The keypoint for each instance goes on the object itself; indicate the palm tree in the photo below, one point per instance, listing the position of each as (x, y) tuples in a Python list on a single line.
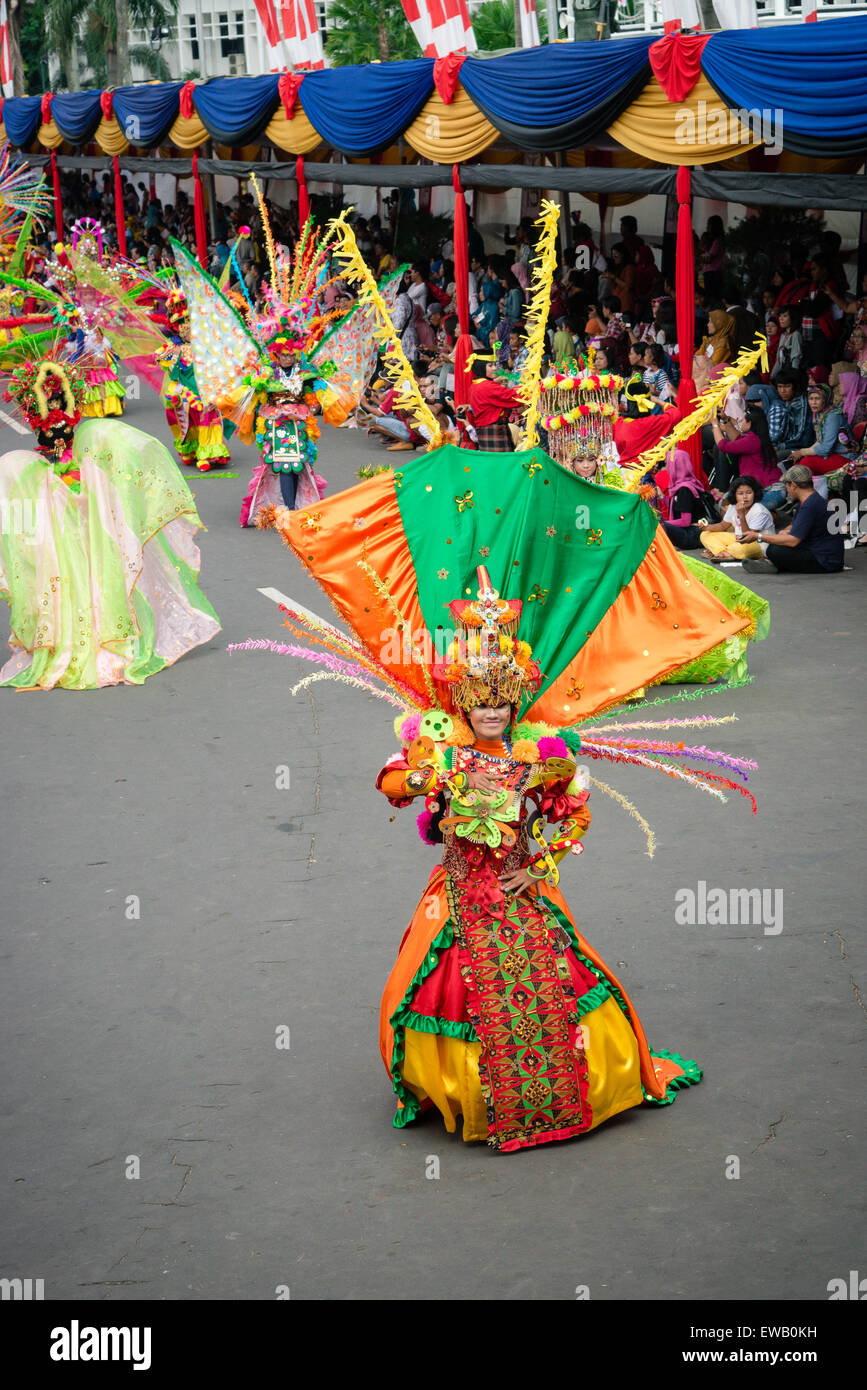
[(61, 23), (368, 31), (494, 25), (103, 26)]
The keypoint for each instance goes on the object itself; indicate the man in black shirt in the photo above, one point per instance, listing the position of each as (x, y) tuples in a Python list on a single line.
[(812, 544)]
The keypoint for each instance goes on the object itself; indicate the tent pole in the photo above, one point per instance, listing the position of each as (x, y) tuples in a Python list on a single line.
[(684, 305)]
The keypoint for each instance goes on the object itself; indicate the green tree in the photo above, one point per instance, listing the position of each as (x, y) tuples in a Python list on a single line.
[(368, 31), (494, 25), (102, 29)]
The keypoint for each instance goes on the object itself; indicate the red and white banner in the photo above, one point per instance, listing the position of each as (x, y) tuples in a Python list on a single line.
[(529, 25), (5, 55), (301, 32), (736, 14), (684, 10), (441, 26), (291, 34)]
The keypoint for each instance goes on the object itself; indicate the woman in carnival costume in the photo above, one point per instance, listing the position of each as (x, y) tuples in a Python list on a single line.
[(197, 428), (285, 431), (104, 392), (260, 369), (497, 1009), (100, 568)]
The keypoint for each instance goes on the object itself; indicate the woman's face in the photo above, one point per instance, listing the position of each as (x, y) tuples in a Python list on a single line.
[(601, 360), (815, 399), (585, 468), (744, 497), (857, 339), (785, 321), (490, 721)]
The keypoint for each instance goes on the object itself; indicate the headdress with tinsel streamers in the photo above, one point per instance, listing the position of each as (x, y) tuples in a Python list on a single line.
[(408, 397), (537, 318)]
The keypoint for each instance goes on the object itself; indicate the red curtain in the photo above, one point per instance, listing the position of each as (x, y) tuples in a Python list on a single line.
[(199, 215), (684, 300), (119, 210), (58, 200), (464, 346), (303, 195)]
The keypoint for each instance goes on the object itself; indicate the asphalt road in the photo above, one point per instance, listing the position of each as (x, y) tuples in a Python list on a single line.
[(152, 1037)]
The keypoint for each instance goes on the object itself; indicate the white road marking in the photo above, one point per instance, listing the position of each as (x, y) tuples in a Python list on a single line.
[(14, 424), (276, 597)]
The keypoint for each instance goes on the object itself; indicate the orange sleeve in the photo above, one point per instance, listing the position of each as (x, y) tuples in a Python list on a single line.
[(393, 784)]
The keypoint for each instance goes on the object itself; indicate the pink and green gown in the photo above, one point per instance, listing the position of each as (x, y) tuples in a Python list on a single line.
[(102, 584)]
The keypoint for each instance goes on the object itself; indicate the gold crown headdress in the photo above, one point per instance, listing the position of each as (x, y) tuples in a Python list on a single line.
[(487, 664)]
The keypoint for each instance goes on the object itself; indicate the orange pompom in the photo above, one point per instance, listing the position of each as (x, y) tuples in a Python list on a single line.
[(525, 751), (461, 735)]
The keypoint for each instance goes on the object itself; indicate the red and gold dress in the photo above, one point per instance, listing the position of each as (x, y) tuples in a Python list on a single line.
[(497, 1009)]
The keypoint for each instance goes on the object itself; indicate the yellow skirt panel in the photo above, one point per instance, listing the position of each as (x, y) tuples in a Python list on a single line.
[(446, 1071), (612, 1061)]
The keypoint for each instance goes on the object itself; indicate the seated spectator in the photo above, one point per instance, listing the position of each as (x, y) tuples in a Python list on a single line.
[(744, 512), (786, 410), (811, 544), (790, 347), (833, 447), (563, 350), (853, 387), (718, 345), (512, 303), (656, 378), (744, 448), (621, 276), (683, 500), (746, 323), (388, 420)]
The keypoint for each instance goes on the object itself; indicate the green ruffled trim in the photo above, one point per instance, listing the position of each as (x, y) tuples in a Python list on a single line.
[(692, 1074), (445, 1027), (592, 999), (402, 1018)]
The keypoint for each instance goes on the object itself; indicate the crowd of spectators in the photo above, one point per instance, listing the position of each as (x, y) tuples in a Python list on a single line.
[(803, 418)]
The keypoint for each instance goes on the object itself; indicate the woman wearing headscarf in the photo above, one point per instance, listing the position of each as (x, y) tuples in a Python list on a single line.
[(718, 345), (682, 498), (853, 388), (716, 348)]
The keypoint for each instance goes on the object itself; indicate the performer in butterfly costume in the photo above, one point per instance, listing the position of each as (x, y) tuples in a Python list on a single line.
[(197, 428)]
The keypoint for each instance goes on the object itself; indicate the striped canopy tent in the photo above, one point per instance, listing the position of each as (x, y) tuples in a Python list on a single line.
[(627, 116), (670, 101)]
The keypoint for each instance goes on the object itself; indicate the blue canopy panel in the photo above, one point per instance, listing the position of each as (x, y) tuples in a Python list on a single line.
[(567, 92), (362, 110), (76, 115), (815, 74), (146, 113), (235, 110), (22, 117)]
